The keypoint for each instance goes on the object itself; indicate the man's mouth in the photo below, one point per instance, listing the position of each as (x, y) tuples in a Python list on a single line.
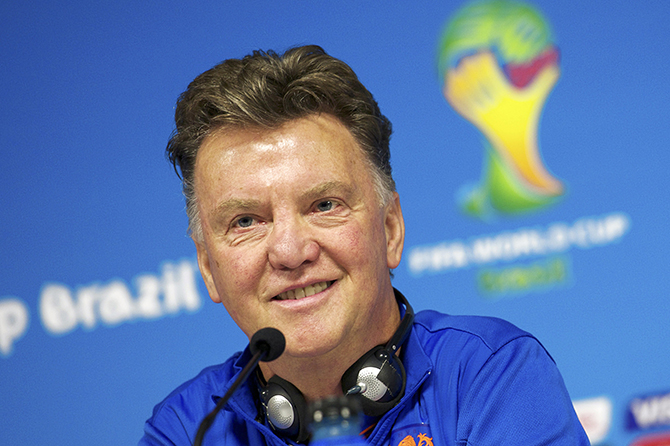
[(309, 290)]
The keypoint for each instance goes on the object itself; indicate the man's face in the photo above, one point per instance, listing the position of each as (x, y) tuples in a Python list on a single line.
[(295, 237)]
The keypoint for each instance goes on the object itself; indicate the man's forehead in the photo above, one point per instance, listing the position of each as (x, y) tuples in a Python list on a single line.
[(326, 122), (323, 132), (307, 158), (230, 139)]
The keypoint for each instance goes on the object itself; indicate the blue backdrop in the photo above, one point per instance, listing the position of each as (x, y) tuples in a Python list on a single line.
[(102, 309)]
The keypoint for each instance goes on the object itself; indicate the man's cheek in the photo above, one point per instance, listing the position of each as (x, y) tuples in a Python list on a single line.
[(234, 273), (354, 241)]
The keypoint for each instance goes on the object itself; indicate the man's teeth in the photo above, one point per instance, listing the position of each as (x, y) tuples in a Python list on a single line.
[(299, 293)]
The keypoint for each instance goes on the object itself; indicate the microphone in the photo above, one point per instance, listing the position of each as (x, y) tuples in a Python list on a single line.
[(269, 341), (267, 344)]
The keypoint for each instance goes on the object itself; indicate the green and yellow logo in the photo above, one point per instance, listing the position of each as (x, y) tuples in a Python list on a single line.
[(498, 64)]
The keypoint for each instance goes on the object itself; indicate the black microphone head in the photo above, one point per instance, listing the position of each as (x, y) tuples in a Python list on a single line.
[(270, 341)]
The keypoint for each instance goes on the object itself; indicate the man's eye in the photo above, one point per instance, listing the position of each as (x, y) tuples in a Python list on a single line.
[(245, 222), (324, 206)]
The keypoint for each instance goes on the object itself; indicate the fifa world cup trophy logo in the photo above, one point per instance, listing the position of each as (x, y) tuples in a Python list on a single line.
[(498, 64)]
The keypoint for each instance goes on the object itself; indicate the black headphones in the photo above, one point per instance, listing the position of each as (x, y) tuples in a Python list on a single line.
[(378, 376)]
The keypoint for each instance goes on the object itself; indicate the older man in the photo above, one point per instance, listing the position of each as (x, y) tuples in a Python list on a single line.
[(286, 170)]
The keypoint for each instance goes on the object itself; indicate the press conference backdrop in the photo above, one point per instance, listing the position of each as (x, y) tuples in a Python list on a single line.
[(530, 150)]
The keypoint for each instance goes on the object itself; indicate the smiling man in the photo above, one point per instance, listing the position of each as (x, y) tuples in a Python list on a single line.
[(295, 237), (286, 170)]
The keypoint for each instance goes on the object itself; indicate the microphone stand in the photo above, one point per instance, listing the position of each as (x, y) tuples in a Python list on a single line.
[(244, 374)]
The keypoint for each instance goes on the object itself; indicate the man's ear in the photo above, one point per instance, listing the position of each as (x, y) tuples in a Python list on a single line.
[(394, 225), (206, 271)]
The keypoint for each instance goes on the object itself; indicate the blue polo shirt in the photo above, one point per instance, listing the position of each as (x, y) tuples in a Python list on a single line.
[(471, 380)]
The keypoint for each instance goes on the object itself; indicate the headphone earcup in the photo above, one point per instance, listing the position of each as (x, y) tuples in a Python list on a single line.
[(383, 376), (285, 408)]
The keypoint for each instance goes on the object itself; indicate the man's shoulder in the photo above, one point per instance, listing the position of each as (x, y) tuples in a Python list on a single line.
[(211, 381), (176, 418), (491, 332)]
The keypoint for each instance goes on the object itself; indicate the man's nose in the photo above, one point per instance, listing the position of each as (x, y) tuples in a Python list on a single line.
[(291, 244)]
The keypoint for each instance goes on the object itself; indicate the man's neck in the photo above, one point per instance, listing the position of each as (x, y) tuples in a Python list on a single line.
[(319, 376), (316, 378)]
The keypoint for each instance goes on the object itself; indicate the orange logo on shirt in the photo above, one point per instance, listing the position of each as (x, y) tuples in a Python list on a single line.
[(424, 440)]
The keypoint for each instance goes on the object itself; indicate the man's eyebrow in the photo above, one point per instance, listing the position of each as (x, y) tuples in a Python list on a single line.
[(327, 188), (235, 204), (249, 204)]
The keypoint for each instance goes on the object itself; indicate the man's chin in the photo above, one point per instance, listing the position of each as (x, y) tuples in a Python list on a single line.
[(305, 346)]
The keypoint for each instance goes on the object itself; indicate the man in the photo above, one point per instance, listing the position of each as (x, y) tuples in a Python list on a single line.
[(286, 171)]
